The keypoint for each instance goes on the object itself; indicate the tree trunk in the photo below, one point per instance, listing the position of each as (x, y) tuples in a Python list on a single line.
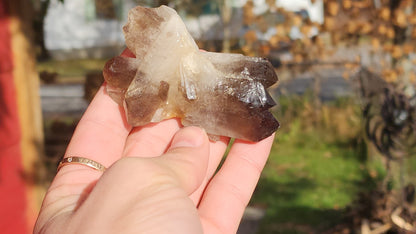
[(226, 13), (399, 32), (39, 34)]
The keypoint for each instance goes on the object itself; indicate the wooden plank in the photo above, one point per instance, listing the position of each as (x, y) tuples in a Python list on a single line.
[(28, 102)]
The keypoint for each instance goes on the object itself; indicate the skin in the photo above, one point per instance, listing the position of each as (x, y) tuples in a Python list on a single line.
[(160, 178)]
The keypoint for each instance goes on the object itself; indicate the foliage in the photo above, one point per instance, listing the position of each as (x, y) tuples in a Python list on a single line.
[(191, 7), (387, 26), (384, 31), (71, 70)]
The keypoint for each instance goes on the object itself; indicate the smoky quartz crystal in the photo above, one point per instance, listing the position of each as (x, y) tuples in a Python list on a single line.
[(226, 94)]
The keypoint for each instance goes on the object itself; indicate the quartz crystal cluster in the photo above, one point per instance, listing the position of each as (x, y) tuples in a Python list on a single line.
[(170, 77)]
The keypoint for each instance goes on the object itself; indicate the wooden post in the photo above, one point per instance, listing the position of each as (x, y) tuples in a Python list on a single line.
[(226, 14), (21, 135)]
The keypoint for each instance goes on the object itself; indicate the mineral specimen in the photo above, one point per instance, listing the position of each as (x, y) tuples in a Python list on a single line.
[(170, 77)]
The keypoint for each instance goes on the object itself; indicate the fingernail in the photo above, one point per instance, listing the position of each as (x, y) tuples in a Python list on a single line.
[(189, 137)]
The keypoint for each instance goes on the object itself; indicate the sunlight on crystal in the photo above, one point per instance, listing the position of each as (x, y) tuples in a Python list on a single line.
[(170, 77)]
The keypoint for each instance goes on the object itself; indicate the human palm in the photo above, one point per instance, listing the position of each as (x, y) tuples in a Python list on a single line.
[(160, 178)]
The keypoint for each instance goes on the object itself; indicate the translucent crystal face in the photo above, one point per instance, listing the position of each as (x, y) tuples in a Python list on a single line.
[(226, 94)]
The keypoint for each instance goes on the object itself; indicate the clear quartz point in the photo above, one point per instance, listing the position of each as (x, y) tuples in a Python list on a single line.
[(226, 94)]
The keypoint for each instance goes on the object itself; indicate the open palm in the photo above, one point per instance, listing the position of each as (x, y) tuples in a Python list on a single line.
[(160, 178)]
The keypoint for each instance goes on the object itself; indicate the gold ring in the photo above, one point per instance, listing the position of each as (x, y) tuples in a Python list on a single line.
[(83, 161)]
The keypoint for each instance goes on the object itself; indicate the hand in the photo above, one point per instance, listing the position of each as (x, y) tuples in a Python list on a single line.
[(159, 178)]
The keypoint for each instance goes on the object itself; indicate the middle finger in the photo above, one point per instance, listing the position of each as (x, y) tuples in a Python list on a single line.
[(151, 140)]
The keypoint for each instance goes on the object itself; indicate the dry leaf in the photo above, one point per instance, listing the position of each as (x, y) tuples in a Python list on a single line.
[(412, 18), (346, 4), (333, 8), (305, 29), (366, 28), (306, 42), (329, 23), (346, 75), (400, 19), (352, 27), (385, 13), (397, 52), (319, 42), (408, 48), (298, 58), (390, 75), (382, 29), (274, 41), (247, 50), (297, 20), (281, 30), (250, 36), (390, 33), (412, 77), (248, 14), (336, 38), (264, 50), (413, 33), (388, 47), (375, 43)]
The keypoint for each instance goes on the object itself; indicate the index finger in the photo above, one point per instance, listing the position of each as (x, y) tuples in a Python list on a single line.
[(100, 136), (103, 129), (101, 132)]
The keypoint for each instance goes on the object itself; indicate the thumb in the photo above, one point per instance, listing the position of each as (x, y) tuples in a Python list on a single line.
[(187, 157)]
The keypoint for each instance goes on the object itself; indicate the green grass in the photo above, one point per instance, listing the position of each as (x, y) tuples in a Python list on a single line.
[(312, 175), (308, 182), (71, 70)]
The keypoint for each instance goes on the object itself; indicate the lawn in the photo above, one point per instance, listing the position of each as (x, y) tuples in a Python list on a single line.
[(71, 71), (314, 172)]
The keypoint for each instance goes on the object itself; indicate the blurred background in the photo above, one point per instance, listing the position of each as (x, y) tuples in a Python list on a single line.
[(344, 158)]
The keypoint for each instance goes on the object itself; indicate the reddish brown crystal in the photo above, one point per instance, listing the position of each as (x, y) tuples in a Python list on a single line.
[(226, 94)]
